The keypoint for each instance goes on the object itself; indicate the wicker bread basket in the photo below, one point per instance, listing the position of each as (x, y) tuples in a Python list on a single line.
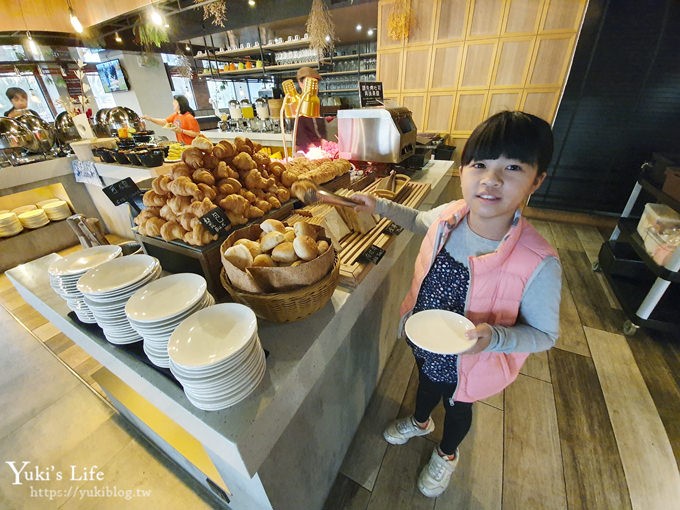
[(287, 306)]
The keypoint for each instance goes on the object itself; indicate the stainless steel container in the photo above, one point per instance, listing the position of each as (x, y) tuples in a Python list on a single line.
[(101, 126), (14, 135), (65, 128), (380, 135), (43, 131), (122, 116)]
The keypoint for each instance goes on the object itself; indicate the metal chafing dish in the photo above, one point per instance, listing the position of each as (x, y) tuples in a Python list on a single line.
[(42, 131), (101, 125), (122, 116), (380, 135), (14, 136), (66, 129)]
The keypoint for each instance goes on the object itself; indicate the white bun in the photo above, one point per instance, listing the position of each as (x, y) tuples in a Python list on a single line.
[(272, 225), (239, 255), (305, 248), (285, 253), (270, 240)]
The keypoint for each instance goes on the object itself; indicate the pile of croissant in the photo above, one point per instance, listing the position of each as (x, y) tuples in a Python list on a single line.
[(235, 176), (318, 171)]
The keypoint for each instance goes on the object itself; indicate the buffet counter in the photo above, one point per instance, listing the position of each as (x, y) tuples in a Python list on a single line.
[(267, 139), (283, 446)]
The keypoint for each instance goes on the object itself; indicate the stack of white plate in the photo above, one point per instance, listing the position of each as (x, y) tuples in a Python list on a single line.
[(65, 273), (107, 287), (216, 355), (35, 218), (42, 203), (24, 208), (9, 224), (57, 210), (155, 310)]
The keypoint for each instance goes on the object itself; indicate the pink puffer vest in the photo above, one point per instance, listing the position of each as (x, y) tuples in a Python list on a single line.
[(497, 281)]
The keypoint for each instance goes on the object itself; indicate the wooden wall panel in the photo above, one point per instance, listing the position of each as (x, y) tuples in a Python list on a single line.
[(541, 104), (422, 28), (416, 103), (553, 56), (513, 63), (389, 69), (563, 15), (416, 69), (523, 17), (446, 67), (439, 109), (486, 18), (469, 111), (503, 101), (384, 40), (479, 59), (452, 20)]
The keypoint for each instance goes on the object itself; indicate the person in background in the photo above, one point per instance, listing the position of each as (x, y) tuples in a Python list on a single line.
[(19, 100), (310, 130), (482, 259), (182, 121)]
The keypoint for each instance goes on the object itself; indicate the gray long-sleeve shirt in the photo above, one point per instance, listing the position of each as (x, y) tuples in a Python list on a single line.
[(537, 326)]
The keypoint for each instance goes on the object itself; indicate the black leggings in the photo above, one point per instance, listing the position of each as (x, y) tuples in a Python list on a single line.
[(458, 418)]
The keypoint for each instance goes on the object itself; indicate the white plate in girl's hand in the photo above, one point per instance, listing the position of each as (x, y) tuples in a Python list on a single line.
[(439, 331)]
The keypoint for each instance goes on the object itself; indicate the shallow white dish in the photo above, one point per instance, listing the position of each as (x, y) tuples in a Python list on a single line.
[(166, 297), (211, 335), (81, 261), (116, 274), (439, 331)]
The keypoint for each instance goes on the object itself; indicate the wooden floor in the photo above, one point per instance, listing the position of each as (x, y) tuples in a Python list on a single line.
[(592, 424)]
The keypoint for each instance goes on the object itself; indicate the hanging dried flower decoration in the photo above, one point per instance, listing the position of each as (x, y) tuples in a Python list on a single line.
[(147, 34), (399, 20), (320, 28), (215, 12)]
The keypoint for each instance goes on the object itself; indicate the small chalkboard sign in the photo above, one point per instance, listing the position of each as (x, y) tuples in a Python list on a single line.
[(121, 191), (371, 93), (393, 229), (215, 220), (372, 254)]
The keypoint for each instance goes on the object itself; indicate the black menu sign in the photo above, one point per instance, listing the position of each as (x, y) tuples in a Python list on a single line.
[(371, 93), (215, 220), (393, 229), (121, 191), (372, 254)]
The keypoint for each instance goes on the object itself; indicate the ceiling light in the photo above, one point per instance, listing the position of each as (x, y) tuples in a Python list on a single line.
[(118, 38), (358, 27), (251, 3), (328, 38), (75, 22), (156, 17), (370, 32), (166, 25), (188, 47)]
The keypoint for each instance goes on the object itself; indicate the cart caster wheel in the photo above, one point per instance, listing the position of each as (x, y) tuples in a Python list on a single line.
[(629, 328), (596, 266)]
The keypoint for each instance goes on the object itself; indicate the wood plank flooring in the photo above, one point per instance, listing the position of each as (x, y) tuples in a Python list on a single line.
[(592, 424)]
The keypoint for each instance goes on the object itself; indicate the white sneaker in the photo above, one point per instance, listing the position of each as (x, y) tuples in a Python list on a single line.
[(436, 475), (400, 431)]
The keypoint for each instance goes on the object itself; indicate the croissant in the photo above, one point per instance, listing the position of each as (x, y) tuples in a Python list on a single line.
[(254, 212), (210, 161), (179, 170), (243, 162), (283, 194), (261, 160), (254, 180), (263, 204), (149, 212), (178, 204), (234, 203), (236, 218), (224, 150), (232, 173), (202, 143), (199, 236), (167, 213), (153, 199), (172, 230), (221, 171), (205, 191), (200, 208), (152, 226), (288, 178), (204, 176), (248, 195), (160, 184), (225, 188), (277, 168), (274, 202), (193, 157), (187, 220), (183, 186)]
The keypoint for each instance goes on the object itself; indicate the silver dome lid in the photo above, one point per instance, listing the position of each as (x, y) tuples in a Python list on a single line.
[(42, 131), (15, 136), (122, 116), (65, 128)]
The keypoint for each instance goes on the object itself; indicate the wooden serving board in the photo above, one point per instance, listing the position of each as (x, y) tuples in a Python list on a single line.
[(353, 270)]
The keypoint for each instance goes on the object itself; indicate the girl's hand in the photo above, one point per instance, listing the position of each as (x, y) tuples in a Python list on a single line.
[(176, 129), (481, 333), (146, 117), (365, 202)]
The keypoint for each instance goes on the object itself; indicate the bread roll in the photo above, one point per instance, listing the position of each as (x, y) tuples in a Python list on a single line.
[(263, 260), (253, 246), (284, 253), (271, 225), (305, 247), (305, 229), (289, 235), (201, 142), (239, 255), (270, 240), (322, 246)]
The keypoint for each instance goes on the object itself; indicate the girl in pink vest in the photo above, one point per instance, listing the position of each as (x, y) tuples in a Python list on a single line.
[(482, 259)]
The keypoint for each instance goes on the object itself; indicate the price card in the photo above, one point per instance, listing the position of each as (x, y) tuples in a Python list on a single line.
[(393, 229), (215, 220), (371, 93), (372, 254), (121, 191)]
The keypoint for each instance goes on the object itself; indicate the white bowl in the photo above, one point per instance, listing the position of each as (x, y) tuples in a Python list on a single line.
[(212, 335), (166, 297), (439, 331)]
